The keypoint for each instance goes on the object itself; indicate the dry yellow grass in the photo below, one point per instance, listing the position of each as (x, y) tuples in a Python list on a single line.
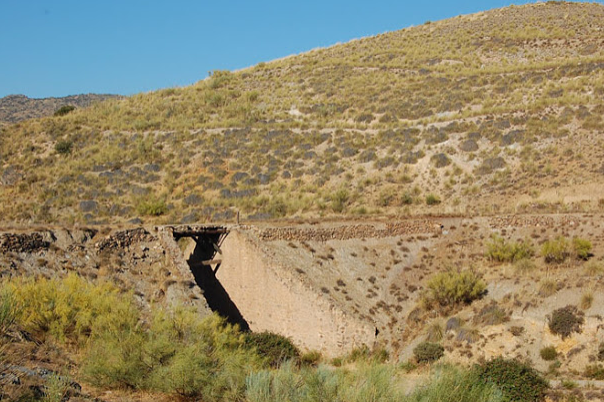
[(494, 112)]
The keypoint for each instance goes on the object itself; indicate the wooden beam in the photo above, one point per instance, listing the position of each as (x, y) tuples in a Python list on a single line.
[(200, 232), (218, 250), (206, 263)]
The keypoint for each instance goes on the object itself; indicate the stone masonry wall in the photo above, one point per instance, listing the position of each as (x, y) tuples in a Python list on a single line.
[(271, 299)]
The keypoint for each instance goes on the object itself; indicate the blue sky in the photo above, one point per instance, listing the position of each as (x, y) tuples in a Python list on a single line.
[(65, 47)]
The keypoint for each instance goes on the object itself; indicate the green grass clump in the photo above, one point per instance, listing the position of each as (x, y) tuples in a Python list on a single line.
[(152, 206), (582, 248), (64, 147), (548, 353), (275, 348), (339, 200), (432, 199), (556, 251), (565, 321), (64, 110), (428, 352), (516, 380), (500, 250), (451, 288)]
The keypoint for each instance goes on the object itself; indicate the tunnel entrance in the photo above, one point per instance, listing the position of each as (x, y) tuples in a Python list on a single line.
[(204, 262)]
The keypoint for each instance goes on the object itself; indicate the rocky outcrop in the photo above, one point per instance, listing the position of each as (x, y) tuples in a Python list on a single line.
[(348, 232), (24, 242)]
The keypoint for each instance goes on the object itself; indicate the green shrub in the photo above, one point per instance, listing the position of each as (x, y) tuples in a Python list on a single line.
[(64, 147), (151, 206), (311, 358), (582, 248), (275, 348), (71, 308), (177, 353), (498, 249), (428, 352), (516, 380), (556, 251), (432, 199), (566, 320), (548, 353), (63, 110), (339, 200), (454, 287)]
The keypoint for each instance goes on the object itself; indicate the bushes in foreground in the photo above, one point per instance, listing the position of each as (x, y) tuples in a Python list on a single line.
[(172, 351), (516, 380), (369, 382), (274, 348), (177, 353)]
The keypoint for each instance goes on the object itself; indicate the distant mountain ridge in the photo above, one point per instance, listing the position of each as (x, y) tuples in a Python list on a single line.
[(15, 108)]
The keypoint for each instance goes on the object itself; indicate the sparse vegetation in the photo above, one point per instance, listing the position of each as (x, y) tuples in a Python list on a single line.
[(279, 129)]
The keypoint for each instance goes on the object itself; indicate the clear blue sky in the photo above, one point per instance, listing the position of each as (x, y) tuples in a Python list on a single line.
[(65, 47)]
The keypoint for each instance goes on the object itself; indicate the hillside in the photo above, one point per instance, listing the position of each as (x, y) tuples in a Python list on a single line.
[(15, 108), (498, 111)]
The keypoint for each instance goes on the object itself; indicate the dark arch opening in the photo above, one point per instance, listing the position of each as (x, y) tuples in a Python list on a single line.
[(201, 262)]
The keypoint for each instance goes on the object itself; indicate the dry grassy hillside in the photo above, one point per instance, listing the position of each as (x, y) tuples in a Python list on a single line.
[(491, 112)]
